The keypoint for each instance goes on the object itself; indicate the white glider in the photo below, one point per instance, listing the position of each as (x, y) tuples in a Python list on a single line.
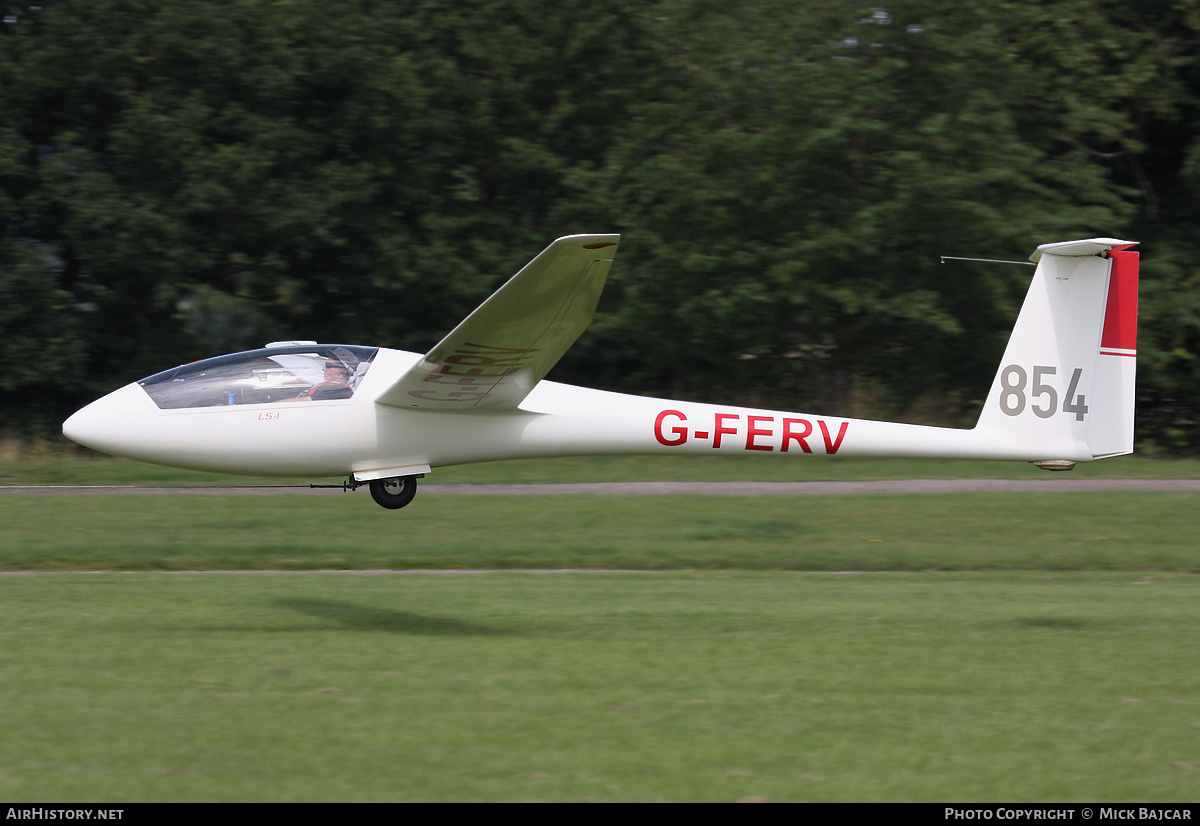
[(1063, 393)]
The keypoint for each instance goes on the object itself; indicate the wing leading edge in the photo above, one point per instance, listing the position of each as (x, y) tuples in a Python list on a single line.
[(509, 343)]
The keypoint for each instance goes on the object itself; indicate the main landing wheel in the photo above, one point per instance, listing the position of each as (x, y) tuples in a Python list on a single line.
[(395, 492)]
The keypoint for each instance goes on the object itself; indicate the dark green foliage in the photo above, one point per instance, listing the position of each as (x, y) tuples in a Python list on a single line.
[(201, 177), (40, 350), (348, 173)]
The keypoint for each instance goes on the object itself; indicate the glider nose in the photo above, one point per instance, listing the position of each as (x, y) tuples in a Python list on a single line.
[(110, 424)]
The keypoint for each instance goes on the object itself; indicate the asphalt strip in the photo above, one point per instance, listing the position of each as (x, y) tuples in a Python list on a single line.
[(893, 486)]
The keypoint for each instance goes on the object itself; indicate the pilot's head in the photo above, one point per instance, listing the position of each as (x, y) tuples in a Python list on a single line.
[(340, 365)]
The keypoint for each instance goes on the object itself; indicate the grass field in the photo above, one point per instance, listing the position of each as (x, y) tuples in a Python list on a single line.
[(71, 467), (607, 686), (1121, 530), (1005, 647)]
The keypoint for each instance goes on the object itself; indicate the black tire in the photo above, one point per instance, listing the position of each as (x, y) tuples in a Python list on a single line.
[(395, 492)]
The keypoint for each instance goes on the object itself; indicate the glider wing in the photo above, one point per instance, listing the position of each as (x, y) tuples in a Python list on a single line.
[(509, 343)]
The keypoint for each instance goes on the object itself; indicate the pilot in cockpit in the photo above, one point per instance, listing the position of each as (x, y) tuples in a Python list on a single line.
[(339, 375)]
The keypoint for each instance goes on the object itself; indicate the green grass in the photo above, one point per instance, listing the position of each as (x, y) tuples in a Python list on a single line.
[(89, 468), (670, 686), (1123, 530), (1002, 647)]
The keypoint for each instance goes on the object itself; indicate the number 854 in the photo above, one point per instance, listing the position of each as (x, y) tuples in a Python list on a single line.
[(1013, 398)]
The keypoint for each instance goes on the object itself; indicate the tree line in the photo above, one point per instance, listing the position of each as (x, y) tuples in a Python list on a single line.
[(179, 180)]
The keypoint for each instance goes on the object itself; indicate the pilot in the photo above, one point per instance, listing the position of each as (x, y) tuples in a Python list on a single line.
[(340, 365)]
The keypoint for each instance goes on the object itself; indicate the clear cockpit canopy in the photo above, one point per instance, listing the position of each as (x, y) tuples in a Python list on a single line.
[(308, 372)]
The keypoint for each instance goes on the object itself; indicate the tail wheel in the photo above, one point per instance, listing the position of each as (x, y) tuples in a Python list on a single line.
[(395, 492)]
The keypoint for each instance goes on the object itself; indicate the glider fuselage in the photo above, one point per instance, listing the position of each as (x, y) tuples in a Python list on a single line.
[(357, 436)]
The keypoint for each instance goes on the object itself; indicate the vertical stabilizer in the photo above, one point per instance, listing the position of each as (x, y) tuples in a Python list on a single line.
[(1066, 383)]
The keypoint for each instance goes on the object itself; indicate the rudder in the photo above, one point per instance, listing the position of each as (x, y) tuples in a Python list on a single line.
[(1111, 430)]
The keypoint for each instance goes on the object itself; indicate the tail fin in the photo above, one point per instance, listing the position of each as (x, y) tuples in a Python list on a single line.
[(1066, 384)]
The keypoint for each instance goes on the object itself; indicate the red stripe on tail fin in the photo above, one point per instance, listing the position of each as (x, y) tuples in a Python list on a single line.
[(1120, 313)]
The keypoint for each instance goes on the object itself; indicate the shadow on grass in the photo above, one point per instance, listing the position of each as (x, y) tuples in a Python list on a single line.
[(364, 618), (1056, 623)]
